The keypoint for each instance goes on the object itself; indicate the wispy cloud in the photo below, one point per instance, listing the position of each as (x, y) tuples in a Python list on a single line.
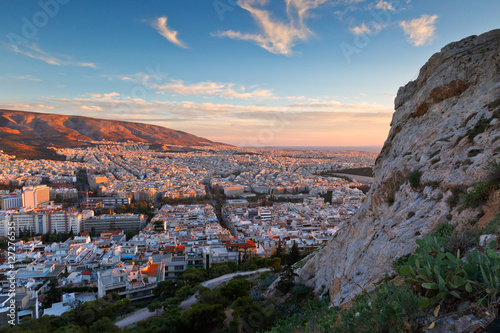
[(28, 77), (34, 51), (420, 31), (208, 88), (336, 105), (25, 106), (91, 108), (204, 88), (384, 5), (365, 29), (160, 24), (278, 37), (192, 111)]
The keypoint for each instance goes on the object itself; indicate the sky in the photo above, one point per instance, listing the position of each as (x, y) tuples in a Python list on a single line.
[(243, 72)]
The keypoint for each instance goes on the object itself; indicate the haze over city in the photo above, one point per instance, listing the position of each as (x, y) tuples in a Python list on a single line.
[(247, 73)]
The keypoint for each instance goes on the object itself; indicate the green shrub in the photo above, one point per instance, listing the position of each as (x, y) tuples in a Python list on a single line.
[(493, 226), (479, 128), (462, 240), (493, 177), (474, 152), (483, 272), (410, 215), (414, 179), (477, 196), (390, 201), (313, 316), (443, 232), (436, 276), (390, 308), (250, 317), (433, 183)]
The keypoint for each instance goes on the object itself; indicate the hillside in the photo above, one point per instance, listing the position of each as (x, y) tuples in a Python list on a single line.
[(445, 130), (28, 134)]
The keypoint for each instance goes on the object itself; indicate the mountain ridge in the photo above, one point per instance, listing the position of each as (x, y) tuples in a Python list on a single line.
[(28, 134)]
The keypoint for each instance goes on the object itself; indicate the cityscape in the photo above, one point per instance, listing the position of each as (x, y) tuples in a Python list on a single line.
[(249, 166), (196, 208)]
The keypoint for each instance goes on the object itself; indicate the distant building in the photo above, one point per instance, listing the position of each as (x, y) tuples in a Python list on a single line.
[(109, 233), (125, 222), (64, 222), (35, 195), (108, 202), (265, 214), (42, 222), (113, 280), (11, 201), (241, 203), (314, 201), (96, 180), (234, 190)]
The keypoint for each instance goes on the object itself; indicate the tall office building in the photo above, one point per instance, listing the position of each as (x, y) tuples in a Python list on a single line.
[(35, 195)]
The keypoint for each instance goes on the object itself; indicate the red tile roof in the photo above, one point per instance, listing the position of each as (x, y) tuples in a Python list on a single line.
[(109, 233), (246, 244), (175, 248), (151, 270)]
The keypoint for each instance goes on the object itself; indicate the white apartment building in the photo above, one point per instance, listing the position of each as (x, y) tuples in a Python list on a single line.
[(11, 201), (265, 214), (41, 222), (63, 221), (23, 223), (4, 223)]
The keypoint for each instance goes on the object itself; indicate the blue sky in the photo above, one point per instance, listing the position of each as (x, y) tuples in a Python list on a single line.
[(247, 72)]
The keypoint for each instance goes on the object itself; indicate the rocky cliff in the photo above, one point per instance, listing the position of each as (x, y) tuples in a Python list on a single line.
[(445, 128)]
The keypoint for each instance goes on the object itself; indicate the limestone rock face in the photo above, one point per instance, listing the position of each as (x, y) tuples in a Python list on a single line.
[(446, 125)]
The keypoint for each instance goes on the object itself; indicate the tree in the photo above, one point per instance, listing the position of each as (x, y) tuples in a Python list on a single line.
[(203, 318), (42, 325), (328, 197), (219, 269), (279, 251), (294, 254), (130, 234), (159, 226), (53, 238), (235, 289), (71, 329), (274, 264), (164, 290), (104, 325), (249, 316), (53, 295), (287, 280), (192, 276)]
